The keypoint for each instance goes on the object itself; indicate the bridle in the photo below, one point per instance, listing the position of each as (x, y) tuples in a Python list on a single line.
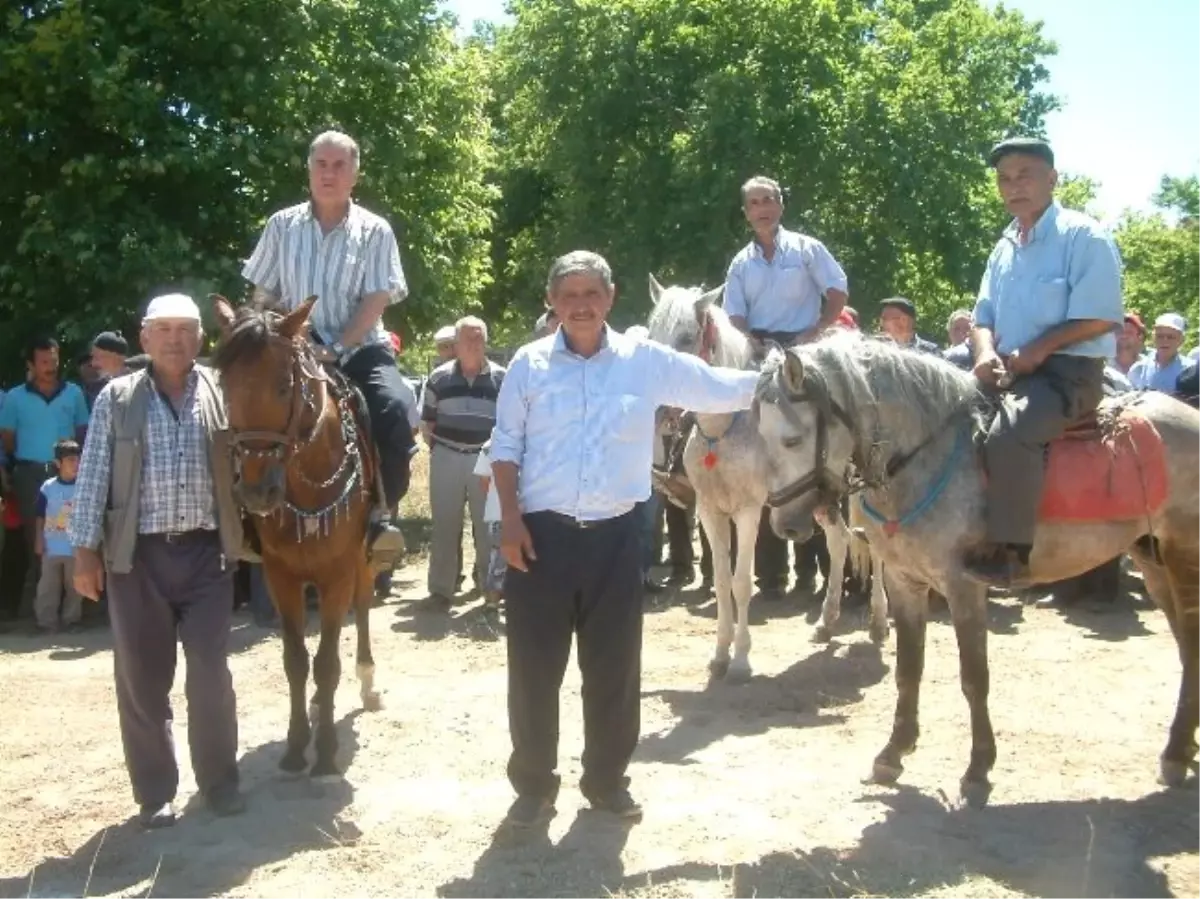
[(281, 446), (820, 478)]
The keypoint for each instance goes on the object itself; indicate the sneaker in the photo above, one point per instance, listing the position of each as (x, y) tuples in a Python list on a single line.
[(156, 817), (530, 811), (619, 803)]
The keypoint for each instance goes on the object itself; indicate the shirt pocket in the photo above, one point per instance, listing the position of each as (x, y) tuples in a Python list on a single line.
[(1051, 298), (792, 280), (632, 417)]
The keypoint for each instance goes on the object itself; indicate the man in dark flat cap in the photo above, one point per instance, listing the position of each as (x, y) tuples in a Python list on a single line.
[(1048, 310), (898, 320)]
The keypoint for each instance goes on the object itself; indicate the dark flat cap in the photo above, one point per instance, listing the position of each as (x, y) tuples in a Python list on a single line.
[(1031, 146), (900, 303), (112, 342)]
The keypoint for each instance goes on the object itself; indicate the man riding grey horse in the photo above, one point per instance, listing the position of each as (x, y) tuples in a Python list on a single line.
[(1048, 307), (348, 258)]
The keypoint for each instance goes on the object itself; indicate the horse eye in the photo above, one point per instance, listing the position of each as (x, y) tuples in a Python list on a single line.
[(792, 442)]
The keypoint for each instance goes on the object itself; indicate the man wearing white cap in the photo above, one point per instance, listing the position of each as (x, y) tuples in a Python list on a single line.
[(335, 249), (154, 510), (1161, 371)]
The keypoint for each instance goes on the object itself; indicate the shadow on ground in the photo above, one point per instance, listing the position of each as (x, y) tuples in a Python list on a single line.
[(203, 855), (801, 696)]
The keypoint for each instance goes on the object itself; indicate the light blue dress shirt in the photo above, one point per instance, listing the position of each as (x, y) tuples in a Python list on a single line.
[(1069, 269), (582, 430), (785, 293), (1147, 374)]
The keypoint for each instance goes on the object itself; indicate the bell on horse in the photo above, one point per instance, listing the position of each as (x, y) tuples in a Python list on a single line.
[(304, 470)]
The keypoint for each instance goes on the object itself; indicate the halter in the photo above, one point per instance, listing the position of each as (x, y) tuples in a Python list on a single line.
[(821, 478)]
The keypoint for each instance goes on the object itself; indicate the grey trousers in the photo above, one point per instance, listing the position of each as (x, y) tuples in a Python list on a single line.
[(56, 589), (176, 589), (1038, 409), (453, 483)]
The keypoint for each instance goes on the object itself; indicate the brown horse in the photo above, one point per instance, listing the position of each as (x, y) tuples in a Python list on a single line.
[(303, 469)]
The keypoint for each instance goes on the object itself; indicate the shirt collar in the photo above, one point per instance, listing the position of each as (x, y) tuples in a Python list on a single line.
[(1040, 228), (781, 235), (607, 335), (310, 214)]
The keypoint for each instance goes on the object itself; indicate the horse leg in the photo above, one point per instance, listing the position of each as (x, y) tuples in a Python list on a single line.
[(289, 595), (327, 671), (1173, 585), (968, 608), (716, 526), (746, 525), (364, 591), (879, 602), (909, 612), (837, 540)]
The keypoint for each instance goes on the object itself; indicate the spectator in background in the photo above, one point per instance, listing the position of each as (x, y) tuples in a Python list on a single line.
[(56, 587), (106, 360), (1131, 343), (35, 416), (898, 320), (1161, 370), (958, 329), (547, 323), (458, 416), (443, 343)]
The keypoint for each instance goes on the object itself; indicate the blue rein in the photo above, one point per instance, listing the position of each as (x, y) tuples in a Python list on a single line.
[(891, 525)]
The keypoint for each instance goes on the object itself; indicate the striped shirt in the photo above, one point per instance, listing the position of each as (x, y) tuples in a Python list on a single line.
[(462, 411), (295, 260), (177, 485)]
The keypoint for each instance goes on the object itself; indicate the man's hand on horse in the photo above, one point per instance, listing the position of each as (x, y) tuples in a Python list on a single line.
[(1026, 360), (515, 543), (89, 574), (988, 370), (324, 354)]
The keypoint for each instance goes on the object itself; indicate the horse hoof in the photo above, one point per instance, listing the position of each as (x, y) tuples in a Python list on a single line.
[(738, 674), (822, 634), (718, 667), (879, 634), (885, 773), (1171, 773), (293, 762), (975, 793), (372, 701)]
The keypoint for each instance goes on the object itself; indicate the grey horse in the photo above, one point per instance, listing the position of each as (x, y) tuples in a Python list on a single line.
[(907, 422), (725, 460)]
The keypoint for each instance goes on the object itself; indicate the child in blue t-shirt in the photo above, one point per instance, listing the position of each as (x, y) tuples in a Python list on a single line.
[(56, 587)]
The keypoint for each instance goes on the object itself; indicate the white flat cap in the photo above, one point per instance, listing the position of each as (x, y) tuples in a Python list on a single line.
[(1171, 320), (445, 335), (172, 305)]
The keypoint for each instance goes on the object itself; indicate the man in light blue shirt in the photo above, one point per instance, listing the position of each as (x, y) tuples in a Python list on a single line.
[(571, 457), (1048, 309), (1161, 370)]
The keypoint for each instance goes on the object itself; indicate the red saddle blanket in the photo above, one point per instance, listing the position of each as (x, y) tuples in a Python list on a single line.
[(1120, 476)]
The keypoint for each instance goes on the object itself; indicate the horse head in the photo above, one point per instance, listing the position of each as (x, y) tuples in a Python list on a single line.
[(691, 320), (274, 394), (811, 440)]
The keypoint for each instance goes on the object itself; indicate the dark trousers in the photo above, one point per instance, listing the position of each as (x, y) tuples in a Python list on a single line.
[(14, 563), (771, 555), (373, 369), (28, 478), (585, 582), (181, 589), (679, 535)]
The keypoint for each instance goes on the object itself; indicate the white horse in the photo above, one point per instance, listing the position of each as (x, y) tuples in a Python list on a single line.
[(726, 461)]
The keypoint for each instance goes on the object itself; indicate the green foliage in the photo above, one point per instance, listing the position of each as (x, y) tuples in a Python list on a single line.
[(1180, 196), (149, 141), (627, 126)]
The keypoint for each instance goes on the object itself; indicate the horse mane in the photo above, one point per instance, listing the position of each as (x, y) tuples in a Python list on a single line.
[(248, 337), (674, 316), (873, 372)]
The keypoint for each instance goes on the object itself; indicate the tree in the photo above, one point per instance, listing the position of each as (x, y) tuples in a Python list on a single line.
[(627, 126), (148, 142)]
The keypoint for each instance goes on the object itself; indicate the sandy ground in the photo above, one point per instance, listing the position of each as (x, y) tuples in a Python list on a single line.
[(749, 791)]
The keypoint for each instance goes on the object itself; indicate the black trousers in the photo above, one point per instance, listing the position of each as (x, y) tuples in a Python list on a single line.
[(585, 582), (373, 369), (771, 555)]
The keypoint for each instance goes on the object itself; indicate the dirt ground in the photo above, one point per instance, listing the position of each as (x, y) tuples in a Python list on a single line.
[(751, 790)]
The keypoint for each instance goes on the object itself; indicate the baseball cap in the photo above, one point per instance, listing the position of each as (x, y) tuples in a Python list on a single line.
[(1171, 320), (172, 305)]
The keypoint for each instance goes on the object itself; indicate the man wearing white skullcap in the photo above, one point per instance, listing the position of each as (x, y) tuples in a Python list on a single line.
[(1161, 370)]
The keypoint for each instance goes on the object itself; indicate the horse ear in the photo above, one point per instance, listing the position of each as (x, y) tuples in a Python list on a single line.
[(292, 323), (656, 289), (711, 298), (223, 313), (793, 372)]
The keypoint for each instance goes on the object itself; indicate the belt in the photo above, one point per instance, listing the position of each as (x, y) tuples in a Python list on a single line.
[(174, 538), (572, 522), (458, 447)]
